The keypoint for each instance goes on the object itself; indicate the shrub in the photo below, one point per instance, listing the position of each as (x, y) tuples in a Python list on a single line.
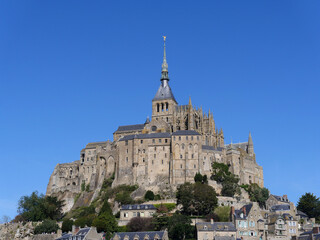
[(149, 195), (67, 225), (168, 206), (47, 226), (85, 221), (140, 224)]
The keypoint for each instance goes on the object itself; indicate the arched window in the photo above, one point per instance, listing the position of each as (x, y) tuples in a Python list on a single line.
[(158, 107), (167, 106)]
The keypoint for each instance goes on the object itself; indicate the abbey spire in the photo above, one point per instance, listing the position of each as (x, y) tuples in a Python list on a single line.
[(164, 91)]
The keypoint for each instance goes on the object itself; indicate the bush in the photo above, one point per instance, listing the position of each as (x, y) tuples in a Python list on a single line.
[(124, 198), (48, 226), (140, 224), (85, 221), (168, 206), (67, 225), (105, 223), (149, 195), (223, 213)]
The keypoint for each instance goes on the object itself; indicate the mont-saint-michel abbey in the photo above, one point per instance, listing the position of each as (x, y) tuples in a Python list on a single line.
[(158, 154)]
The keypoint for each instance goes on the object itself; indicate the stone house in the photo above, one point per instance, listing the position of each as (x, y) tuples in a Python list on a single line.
[(276, 200), (216, 230), (127, 212), (249, 221), (157, 235)]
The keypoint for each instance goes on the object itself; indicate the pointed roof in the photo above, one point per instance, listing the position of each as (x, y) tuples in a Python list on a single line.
[(164, 91)]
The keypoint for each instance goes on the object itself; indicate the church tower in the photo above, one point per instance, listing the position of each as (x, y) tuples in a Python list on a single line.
[(250, 146), (164, 103)]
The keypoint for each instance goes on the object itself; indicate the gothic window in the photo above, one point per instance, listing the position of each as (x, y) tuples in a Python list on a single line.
[(162, 161), (141, 141), (158, 107), (162, 107), (166, 140), (167, 108)]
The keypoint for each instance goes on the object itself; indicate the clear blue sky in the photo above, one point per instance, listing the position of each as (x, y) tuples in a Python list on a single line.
[(72, 71)]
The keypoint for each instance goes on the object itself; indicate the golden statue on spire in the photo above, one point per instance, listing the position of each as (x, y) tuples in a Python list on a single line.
[(164, 38)]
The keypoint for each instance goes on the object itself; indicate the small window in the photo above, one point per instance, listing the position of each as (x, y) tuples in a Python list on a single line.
[(160, 140), (166, 140), (181, 156), (152, 162), (192, 156), (194, 166), (126, 142), (127, 159), (127, 150), (162, 161), (174, 137), (179, 138), (154, 155), (154, 128), (143, 160), (141, 141), (180, 165), (165, 155), (153, 140), (197, 137), (186, 137)]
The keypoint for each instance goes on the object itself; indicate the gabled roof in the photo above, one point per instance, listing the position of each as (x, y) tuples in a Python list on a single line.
[(64, 237), (240, 213), (302, 214), (185, 132), (130, 127), (216, 226), (138, 207), (83, 231), (141, 235), (280, 199)]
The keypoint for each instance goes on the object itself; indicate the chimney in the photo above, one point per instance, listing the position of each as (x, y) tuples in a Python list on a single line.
[(211, 220), (244, 211), (285, 196), (232, 210), (316, 230), (75, 229)]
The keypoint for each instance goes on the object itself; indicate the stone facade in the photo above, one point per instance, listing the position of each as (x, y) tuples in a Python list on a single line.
[(127, 212), (216, 230), (169, 149)]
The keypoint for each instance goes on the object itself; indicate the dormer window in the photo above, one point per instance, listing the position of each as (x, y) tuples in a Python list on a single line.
[(205, 227)]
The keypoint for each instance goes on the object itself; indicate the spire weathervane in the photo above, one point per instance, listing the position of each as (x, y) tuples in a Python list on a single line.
[(164, 71)]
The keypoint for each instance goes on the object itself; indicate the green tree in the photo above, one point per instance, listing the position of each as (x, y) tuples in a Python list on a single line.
[(229, 181), (310, 205), (222, 213), (124, 198), (258, 194), (105, 223), (149, 195), (198, 177), (140, 224), (67, 225), (85, 220), (38, 207), (179, 227), (197, 198), (48, 226)]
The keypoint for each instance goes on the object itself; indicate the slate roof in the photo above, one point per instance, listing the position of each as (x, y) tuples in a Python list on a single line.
[(216, 226), (145, 136), (280, 207), (130, 128), (185, 132), (224, 238), (302, 214), (206, 147), (64, 237), (164, 92), (238, 212), (281, 199), (141, 235), (138, 207), (83, 231)]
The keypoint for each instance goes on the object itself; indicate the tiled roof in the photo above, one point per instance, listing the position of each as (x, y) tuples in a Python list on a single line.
[(216, 226), (140, 235), (185, 132), (164, 92), (138, 207), (145, 136), (130, 127)]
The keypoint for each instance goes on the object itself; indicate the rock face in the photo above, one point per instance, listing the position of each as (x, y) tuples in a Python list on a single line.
[(19, 231), (178, 142)]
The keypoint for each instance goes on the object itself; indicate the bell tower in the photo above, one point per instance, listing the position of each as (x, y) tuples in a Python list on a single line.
[(164, 103)]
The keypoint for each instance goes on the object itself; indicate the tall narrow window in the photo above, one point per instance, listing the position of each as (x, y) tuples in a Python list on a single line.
[(167, 107), (158, 107)]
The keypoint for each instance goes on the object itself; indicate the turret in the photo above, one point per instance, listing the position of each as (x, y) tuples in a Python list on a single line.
[(250, 150)]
